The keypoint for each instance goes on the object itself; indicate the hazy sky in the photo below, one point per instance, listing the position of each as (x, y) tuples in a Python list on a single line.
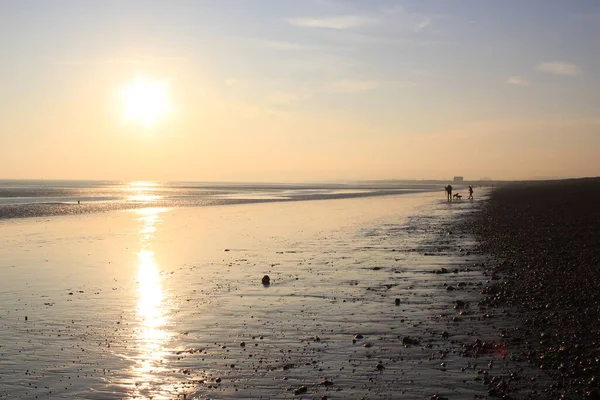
[(301, 90)]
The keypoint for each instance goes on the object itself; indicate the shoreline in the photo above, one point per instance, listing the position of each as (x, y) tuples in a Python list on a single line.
[(544, 240), (39, 210)]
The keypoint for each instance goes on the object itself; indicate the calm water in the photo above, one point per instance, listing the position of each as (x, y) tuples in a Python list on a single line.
[(30, 198)]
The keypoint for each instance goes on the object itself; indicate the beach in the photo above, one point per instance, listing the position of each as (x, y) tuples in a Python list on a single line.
[(380, 297), (544, 236), (369, 297)]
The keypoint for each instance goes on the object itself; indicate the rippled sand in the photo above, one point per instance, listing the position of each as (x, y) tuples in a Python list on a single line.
[(168, 303)]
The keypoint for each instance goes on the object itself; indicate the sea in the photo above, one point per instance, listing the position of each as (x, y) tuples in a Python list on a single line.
[(35, 198)]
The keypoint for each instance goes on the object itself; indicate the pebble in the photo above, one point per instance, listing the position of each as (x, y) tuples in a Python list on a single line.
[(300, 390), (408, 340)]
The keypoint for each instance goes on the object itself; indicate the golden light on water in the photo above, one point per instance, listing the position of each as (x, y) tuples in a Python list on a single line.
[(152, 335), (149, 218), (145, 103), (143, 197), (142, 184), (150, 295), (143, 191)]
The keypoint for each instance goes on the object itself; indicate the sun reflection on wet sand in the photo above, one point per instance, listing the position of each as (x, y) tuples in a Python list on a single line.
[(152, 336), (149, 217)]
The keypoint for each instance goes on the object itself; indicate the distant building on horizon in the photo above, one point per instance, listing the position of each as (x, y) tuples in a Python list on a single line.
[(459, 179)]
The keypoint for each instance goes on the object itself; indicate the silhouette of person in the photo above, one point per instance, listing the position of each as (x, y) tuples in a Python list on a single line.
[(449, 192), (471, 192)]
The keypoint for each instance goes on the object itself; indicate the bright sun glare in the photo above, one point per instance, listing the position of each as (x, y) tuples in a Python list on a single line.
[(145, 102)]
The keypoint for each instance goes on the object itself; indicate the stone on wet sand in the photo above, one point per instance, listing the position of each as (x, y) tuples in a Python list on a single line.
[(407, 340), (300, 390), (266, 280)]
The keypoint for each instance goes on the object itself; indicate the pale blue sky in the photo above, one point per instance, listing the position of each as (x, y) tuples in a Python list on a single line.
[(303, 90)]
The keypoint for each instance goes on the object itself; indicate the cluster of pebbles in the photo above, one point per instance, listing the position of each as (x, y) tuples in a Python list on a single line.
[(544, 237)]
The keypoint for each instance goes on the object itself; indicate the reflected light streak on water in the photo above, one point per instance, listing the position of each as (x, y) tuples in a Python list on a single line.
[(142, 193), (152, 337), (143, 197), (143, 184)]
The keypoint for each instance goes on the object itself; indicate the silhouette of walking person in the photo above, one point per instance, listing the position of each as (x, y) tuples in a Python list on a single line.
[(470, 192), (449, 192)]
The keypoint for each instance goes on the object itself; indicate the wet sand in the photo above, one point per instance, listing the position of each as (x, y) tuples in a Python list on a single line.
[(546, 240), (132, 198), (374, 298)]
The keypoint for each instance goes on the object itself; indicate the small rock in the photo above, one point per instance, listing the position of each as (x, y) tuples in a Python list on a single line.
[(300, 390), (379, 366), (266, 280), (397, 301), (459, 304), (409, 340)]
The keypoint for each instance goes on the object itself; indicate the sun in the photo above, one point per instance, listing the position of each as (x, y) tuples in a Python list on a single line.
[(144, 102)]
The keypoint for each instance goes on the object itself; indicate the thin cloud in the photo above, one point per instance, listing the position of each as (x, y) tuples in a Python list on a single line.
[(352, 86), (286, 98), (518, 81), (339, 22), (423, 24), (398, 15), (560, 68)]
